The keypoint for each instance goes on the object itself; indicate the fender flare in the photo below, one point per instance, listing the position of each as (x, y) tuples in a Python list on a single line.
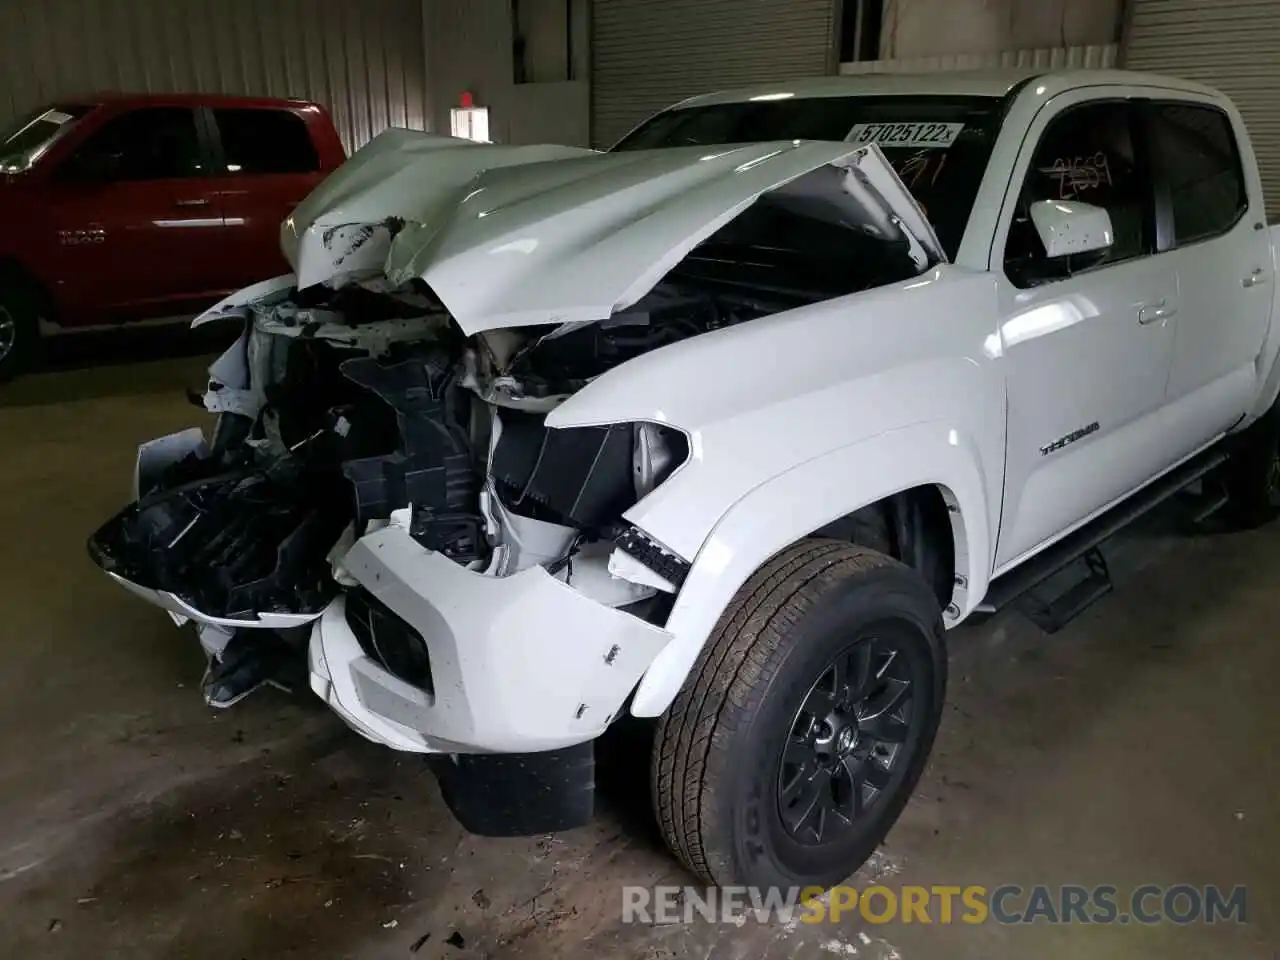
[(805, 498)]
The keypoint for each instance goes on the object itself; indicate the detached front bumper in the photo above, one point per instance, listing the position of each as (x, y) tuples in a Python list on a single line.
[(518, 664)]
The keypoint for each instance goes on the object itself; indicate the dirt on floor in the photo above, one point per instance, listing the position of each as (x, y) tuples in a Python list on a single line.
[(1137, 746)]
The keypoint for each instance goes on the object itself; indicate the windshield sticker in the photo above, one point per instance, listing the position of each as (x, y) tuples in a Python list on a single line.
[(906, 134), (56, 116)]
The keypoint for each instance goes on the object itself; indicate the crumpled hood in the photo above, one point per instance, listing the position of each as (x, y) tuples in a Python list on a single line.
[(516, 236)]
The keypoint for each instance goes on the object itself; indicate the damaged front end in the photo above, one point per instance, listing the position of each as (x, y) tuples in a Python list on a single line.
[(382, 490), (350, 416), (342, 412)]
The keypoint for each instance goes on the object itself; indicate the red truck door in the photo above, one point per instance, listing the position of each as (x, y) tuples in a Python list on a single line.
[(135, 219), (268, 162)]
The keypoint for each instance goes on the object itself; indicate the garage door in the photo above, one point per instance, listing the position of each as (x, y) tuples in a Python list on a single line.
[(1233, 45), (646, 54)]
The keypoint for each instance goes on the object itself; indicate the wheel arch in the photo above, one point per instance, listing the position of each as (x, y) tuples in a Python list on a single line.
[(13, 269), (900, 472)]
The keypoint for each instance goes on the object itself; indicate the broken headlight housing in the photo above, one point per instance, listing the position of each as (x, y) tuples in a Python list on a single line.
[(582, 477)]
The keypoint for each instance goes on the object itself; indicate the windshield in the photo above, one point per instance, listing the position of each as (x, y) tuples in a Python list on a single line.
[(939, 146), (24, 142)]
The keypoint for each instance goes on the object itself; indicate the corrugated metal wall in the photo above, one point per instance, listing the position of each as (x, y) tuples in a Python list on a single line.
[(1099, 56), (1233, 45), (469, 47), (364, 61), (647, 54)]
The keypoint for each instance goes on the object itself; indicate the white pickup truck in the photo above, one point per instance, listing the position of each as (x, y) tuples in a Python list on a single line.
[(724, 427)]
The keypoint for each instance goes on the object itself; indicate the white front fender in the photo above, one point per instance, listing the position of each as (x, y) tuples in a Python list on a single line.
[(806, 498)]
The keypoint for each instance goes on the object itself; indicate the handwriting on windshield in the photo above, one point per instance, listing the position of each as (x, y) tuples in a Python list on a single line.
[(922, 168)]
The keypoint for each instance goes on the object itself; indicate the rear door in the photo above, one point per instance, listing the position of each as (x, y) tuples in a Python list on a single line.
[(1213, 229), (135, 219), (267, 164)]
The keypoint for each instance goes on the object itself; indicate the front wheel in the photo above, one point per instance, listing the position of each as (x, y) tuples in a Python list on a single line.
[(19, 330), (806, 721)]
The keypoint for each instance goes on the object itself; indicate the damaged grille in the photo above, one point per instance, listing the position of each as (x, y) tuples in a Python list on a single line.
[(387, 640), (343, 439), (236, 545)]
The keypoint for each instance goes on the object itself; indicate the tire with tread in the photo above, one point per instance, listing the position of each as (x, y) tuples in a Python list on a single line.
[(1251, 474), (717, 747), (17, 301)]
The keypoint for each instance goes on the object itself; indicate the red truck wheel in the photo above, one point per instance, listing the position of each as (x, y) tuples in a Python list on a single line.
[(18, 333)]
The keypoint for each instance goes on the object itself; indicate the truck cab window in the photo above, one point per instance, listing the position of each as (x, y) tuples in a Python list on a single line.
[(155, 143), (1090, 154), (1200, 163), (265, 141), (24, 142)]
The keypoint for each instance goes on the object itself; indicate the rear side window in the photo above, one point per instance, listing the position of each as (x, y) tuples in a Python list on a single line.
[(1197, 150), (266, 141), (153, 143)]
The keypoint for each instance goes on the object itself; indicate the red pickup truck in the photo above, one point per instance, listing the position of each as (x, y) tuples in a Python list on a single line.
[(123, 208)]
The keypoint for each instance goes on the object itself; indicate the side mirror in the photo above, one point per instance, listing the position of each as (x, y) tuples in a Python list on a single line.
[(1069, 226)]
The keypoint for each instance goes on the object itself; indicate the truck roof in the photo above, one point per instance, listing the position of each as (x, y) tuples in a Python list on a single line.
[(990, 83), (185, 100)]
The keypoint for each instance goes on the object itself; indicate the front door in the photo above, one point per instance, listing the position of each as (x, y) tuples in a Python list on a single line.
[(1086, 340), (135, 220)]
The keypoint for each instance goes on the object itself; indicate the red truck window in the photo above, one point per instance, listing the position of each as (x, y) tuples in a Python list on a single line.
[(25, 141), (153, 143), (266, 141)]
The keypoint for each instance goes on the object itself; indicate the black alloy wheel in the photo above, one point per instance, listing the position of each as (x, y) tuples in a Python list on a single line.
[(846, 741)]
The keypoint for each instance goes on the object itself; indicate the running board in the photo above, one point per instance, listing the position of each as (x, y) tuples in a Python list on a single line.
[(1052, 613), (1027, 576)]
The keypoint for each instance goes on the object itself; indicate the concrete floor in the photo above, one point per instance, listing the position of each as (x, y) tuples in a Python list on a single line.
[(1137, 746)]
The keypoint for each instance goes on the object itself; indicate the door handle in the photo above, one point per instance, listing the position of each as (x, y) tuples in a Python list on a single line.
[(1255, 278), (1151, 312), (197, 202)]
